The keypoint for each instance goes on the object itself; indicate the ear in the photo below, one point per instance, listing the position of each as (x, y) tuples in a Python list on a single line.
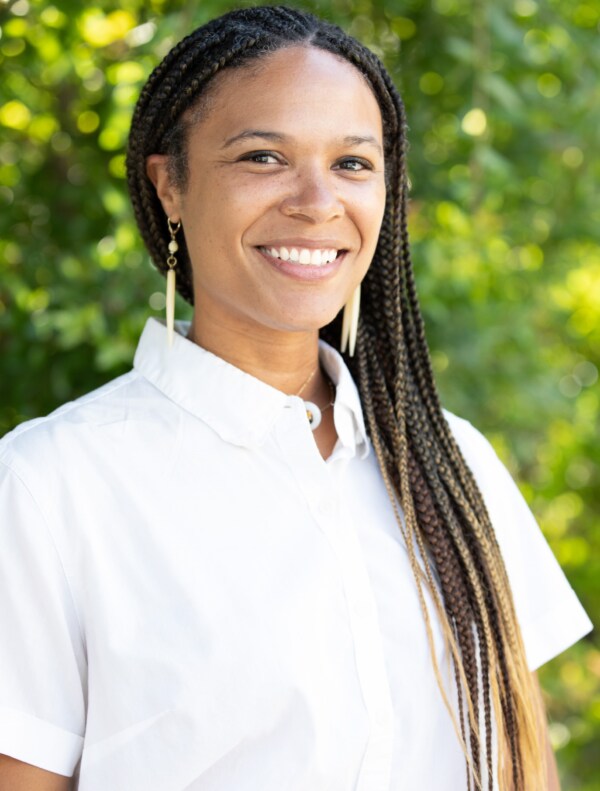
[(158, 172)]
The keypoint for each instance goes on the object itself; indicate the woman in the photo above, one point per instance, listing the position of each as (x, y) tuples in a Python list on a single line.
[(252, 563)]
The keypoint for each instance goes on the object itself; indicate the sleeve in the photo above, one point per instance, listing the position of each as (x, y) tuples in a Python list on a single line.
[(42, 656), (549, 613)]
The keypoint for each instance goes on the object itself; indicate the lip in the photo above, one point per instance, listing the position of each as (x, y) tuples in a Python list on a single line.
[(302, 272), (310, 244)]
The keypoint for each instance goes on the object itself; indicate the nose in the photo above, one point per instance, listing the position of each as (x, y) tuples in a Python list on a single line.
[(312, 197)]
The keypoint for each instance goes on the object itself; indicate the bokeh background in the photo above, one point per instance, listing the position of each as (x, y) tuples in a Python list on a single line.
[(503, 100)]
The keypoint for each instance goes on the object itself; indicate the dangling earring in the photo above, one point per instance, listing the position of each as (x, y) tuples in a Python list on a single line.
[(350, 322), (171, 264)]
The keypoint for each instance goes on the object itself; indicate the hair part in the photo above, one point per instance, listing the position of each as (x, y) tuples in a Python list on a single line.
[(437, 504)]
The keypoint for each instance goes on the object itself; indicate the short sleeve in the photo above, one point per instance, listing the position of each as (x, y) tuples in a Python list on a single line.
[(42, 657), (549, 613)]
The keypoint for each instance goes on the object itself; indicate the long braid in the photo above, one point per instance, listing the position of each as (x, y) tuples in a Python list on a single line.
[(440, 512), (414, 330)]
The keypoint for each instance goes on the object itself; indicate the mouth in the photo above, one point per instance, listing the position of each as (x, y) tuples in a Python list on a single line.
[(303, 256)]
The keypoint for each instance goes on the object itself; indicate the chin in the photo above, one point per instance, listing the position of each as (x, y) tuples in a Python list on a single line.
[(309, 324)]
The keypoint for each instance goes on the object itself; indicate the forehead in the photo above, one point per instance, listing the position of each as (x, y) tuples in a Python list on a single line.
[(295, 85)]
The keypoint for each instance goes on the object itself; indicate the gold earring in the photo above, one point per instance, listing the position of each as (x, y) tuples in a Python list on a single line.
[(350, 322), (171, 264)]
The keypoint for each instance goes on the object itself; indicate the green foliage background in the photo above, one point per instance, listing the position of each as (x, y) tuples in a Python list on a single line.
[(503, 101)]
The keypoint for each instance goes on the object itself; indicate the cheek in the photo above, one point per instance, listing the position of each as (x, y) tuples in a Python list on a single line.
[(209, 219), (231, 209), (372, 210)]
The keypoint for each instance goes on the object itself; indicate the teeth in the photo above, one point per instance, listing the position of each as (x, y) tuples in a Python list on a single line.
[(303, 255)]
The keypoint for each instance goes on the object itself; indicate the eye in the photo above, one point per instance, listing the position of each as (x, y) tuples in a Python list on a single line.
[(261, 158), (354, 164)]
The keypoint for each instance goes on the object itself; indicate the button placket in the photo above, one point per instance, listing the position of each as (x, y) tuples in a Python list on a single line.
[(370, 660), (322, 486), (368, 646)]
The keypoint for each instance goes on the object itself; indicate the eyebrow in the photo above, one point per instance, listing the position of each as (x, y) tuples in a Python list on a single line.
[(358, 140), (250, 133), (277, 137)]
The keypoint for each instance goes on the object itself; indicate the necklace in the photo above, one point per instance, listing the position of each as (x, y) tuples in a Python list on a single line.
[(314, 413), (310, 376)]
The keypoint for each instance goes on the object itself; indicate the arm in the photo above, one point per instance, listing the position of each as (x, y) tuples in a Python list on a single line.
[(552, 780), (18, 776)]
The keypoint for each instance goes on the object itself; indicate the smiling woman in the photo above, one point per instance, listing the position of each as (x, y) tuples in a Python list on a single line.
[(268, 559)]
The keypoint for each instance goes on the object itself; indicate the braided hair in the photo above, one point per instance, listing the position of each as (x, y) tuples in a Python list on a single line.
[(437, 504)]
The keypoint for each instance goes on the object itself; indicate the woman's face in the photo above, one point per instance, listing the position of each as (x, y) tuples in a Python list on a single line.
[(287, 164)]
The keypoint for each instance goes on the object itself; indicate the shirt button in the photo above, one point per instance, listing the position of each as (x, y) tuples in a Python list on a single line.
[(326, 507), (380, 719), (361, 609)]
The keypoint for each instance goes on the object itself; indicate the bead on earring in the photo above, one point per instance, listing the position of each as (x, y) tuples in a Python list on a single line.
[(350, 322), (173, 247)]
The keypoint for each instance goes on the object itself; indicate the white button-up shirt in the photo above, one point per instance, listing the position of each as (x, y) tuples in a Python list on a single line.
[(192, 599)]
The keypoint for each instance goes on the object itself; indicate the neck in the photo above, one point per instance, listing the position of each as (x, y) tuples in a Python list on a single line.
[(284, 360)]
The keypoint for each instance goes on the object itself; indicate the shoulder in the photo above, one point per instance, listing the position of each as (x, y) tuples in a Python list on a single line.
[(489, 472), (44, 443), (470, 441), (509, 513)]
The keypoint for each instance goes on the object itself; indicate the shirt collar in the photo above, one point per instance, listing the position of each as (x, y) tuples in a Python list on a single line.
[(348, 415), (239, 407)]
